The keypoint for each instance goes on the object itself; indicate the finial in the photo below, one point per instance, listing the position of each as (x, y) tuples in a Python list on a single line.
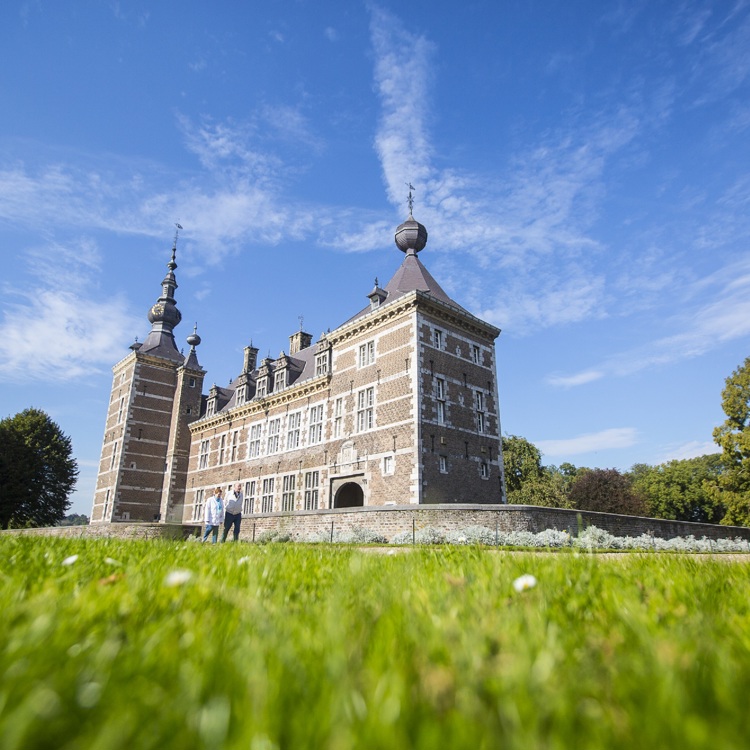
[(410, 198), (301, 319), (376, 282), (178, 226)]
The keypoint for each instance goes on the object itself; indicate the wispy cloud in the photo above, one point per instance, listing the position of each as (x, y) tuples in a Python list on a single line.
[(56, 331), (692, 449), (615, 437), (722, 315)]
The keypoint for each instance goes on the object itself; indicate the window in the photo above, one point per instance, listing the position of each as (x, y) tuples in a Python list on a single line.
[(105, 512), (211, 407), (203, 456), (274, 427), (287, 492), (266, 500), (114, 457), (479, 405), (292, 430), (253, 443), (191, 383), (440, 395), (249, 504), (484, 470), (476, 354), (321, 364), (279, 380), (443, 464), (367, 354), (437, 338), (387, 465), (312, 480), (338, 417), (189, 410), (241, 391), (316, 424), (262, 387), (198, 506), (222, 445), (235, 441), (365, 400), (119, 413)]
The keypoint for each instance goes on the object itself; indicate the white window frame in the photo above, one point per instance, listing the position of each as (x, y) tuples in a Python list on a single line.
[(315, 427), (321, 364), (267, 496), (366, 353), (288, 488), (249, 498), (389, 466), (274, 430), (484, 470), (279, 380), (440, 391), (234, 445), (222, 446), (476, 354), (312, 484), (338, 417), (293, 424), (241, 393), (198, 505), (443, 464), (203, 454), (438, 339), (261, 387), (253, 441), (366, 409)]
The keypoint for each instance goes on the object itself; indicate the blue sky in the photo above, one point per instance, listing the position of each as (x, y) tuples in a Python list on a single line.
[(582, 169)]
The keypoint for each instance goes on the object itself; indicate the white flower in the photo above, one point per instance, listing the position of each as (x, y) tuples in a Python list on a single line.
[(112, 561), (177, 577), (524, 583), (70, 560), (243, 560)]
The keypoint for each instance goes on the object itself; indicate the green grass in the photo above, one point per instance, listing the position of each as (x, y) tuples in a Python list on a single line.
[(285, 646)]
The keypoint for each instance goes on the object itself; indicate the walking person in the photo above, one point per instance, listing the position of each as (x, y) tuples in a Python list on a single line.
[(214, 515), (233, 514)]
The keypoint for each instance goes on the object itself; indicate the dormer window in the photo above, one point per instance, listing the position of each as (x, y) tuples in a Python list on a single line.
[(241, 394), (262, 388), (279, 380), (321, 364)]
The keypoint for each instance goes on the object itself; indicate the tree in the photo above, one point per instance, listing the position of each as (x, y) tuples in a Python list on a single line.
[(680, 490), (526, 480), (75, 519), (732, 487), (606, 491), (37, 470)]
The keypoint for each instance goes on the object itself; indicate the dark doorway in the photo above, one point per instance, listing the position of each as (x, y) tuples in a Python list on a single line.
[(349, 495)]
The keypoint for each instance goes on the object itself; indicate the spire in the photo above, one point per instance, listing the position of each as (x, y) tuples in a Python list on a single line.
[(164, 315)]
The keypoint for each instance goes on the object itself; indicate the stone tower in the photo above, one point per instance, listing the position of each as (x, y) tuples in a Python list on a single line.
[(156, 394)]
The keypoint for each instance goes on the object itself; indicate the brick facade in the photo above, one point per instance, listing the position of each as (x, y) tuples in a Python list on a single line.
[(396, 406)]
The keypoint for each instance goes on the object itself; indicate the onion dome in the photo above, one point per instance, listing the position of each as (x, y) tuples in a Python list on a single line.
[(194, 339), (411, 236)]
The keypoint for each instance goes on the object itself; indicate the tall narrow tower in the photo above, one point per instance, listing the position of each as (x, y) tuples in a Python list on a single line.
[(156, 393)]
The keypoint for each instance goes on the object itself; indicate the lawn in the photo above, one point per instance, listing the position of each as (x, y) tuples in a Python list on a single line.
[(150, 644)]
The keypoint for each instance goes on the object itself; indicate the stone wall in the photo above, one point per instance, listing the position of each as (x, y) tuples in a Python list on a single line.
[(392, 520)]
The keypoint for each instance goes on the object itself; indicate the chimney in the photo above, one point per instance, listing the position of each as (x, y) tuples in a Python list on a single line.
[(251, 359), (298, 342)]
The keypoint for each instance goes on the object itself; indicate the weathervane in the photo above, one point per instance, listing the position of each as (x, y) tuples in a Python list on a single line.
[(301, 319), (178, 226), (410, 199)]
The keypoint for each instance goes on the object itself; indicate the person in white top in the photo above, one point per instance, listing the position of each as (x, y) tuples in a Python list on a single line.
[(233, 512), (214, 515)]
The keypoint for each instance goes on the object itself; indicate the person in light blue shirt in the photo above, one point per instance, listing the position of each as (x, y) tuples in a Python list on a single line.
[(214, 515)]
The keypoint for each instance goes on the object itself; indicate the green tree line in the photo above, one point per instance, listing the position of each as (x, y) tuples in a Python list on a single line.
[(714, 488)]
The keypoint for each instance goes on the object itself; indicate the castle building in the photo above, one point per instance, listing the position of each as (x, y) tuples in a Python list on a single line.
[(398, 405)]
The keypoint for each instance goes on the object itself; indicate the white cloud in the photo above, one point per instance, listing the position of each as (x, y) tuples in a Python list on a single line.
[(581, 378), (616, 437), (692, 449), (57, 331)]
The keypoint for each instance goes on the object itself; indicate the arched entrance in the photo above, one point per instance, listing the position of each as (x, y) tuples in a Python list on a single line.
[(349, 495)]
